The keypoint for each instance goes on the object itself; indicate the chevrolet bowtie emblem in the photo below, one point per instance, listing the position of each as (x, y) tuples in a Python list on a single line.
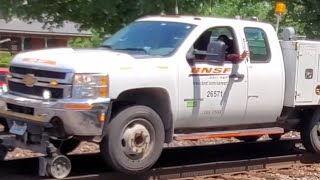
[(29, 80)]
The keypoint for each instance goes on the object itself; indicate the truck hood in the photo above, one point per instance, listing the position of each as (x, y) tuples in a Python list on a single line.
[(73, 60)]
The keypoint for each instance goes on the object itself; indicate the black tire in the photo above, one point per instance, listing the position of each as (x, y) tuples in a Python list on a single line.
[(310, 133), (275, 137), (114, 145), (67, 146), (3, 152), (248, 138)]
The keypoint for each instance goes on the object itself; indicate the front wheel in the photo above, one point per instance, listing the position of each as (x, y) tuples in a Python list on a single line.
[(134, 140)]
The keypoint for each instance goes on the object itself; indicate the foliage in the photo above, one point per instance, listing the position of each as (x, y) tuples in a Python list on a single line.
[(102, 15), (107, 16), (5, 58), (232, 8), (94, 41), (304, 15), (264, 10)]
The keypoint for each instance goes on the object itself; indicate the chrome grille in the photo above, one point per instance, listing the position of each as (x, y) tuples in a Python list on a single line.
[(18, 86), (57, 93), (38, 73)]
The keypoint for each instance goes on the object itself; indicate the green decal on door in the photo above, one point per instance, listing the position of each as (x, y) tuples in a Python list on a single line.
[(191, 104)]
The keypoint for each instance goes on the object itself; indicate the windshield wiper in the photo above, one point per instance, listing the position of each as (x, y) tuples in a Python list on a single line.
[(133, 49), (106, 46)]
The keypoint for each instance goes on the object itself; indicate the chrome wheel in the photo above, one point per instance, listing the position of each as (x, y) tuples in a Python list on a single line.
[(137, 139), (134, 140)]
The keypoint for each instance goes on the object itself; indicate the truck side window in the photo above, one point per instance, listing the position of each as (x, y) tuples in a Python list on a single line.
[(258, 44), (225, 34)]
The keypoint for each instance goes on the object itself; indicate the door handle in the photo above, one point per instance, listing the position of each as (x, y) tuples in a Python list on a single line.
[(236, 76)]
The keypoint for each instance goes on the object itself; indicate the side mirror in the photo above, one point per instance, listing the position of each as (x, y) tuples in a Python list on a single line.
[(215, 52), (106, 37), (190, 56)]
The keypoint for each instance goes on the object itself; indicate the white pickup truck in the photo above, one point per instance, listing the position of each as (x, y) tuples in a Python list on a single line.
[(163, 78)]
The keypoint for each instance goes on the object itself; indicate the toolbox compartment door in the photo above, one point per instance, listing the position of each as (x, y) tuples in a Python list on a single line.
[(306, 74)]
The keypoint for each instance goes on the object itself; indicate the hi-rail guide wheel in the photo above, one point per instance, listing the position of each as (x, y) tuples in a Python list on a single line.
[(54, 164), (59, 166)]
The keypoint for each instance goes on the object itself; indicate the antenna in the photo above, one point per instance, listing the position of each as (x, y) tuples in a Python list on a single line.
[(177, 8)]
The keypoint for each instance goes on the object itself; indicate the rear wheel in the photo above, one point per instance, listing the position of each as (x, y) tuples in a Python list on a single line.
[(310, 133), (134, 140)]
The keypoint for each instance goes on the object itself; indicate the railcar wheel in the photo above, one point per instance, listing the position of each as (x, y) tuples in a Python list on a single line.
[(310, 133), (67, 146), (59, 167), (134, 140), (248, 138)]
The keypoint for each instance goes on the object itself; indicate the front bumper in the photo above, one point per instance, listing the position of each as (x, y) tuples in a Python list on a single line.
[(75, 122)]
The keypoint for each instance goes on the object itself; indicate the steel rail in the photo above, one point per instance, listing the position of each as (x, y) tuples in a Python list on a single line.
[(187, 162)]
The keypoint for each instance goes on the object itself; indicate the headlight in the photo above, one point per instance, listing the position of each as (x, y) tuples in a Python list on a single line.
[(90, 86), (4, 89)]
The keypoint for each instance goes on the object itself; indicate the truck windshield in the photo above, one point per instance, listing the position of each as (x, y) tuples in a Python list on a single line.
[(152, 38)]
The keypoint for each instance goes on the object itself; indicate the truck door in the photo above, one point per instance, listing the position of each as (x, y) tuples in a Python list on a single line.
[(265, 76), (212, 95)]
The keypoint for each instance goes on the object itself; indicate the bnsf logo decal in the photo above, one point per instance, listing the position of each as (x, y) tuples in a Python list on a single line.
[(209, 71), (43, 61)]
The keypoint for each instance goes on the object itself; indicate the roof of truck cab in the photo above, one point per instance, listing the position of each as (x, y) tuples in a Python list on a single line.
[(199, 20)]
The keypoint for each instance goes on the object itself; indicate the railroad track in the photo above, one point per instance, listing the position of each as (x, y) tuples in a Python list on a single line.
[(182, 162)]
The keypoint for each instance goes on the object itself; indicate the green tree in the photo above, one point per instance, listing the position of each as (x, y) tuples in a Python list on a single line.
[(95, 41), (304, 15), (107, 16), (102, 15), (232, 8)]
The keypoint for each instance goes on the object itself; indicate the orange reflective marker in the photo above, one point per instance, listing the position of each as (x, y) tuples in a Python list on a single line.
[(78, 106), (103, 92), (54, 83), (104, 81), (102, 117)]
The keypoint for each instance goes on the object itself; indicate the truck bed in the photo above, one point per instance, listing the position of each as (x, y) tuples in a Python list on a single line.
[(301, 62)]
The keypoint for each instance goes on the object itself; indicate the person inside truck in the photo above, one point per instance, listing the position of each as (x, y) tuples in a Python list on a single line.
[(202, 42), (228, 42), (230, 54)]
